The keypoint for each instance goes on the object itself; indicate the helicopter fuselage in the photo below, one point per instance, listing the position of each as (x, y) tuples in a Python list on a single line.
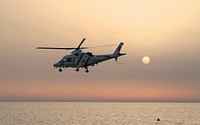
[(83, 61), (79, 59)]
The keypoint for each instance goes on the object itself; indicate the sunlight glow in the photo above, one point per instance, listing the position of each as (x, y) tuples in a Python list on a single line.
[(146, 60)]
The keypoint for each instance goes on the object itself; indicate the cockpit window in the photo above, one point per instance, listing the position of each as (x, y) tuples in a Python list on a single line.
[(62, 60)]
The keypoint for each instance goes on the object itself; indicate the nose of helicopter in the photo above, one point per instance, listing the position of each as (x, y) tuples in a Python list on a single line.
[(56, 64)]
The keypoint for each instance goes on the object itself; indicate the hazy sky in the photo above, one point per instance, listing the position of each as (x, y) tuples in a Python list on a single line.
[(167, 31)]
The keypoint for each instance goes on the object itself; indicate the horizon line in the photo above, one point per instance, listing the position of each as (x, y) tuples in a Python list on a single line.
[(119, 101)]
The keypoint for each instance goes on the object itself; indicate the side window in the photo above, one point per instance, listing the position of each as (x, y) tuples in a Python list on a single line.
[(69, 59), (76, 54)]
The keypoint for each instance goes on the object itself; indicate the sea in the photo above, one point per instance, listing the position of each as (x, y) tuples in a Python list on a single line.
[(99, 113)]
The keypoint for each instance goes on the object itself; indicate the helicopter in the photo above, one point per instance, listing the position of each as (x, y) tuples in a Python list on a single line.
[(78, 59)]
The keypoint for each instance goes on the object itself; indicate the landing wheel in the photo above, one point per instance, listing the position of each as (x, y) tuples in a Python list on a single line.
[(87, 70), (77, 70), (60, 70)]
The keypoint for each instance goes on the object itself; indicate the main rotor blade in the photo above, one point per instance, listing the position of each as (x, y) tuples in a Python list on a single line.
[(84, 47), (103, 46), (55, 48), (81, 43)]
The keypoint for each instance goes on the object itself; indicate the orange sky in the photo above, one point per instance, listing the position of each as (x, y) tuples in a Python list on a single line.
[(166, 31), (97, 91)]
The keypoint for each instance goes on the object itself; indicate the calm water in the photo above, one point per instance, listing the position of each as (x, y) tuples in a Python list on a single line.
[(97, 113)]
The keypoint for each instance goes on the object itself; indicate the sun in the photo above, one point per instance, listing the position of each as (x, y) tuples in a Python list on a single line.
[(146, 60)]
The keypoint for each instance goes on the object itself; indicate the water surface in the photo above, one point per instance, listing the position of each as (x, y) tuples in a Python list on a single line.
[(98, 113)]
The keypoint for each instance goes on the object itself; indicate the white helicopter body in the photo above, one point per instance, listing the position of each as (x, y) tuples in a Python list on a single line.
[(79, 59)]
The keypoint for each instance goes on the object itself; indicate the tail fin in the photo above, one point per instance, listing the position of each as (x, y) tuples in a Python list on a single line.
[(117, 51)]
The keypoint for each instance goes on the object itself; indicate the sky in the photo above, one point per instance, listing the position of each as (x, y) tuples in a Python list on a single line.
[(167, 31)]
